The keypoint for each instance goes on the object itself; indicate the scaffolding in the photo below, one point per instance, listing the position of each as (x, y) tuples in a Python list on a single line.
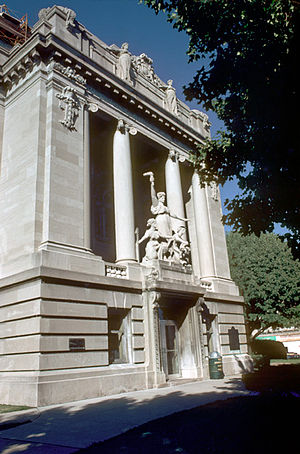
[(13, 30)]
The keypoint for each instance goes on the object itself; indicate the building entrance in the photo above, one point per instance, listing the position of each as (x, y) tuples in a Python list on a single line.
[(169, 348)]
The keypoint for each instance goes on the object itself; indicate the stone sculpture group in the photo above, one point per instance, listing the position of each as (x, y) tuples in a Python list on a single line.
[(142, 64), (163, 243)]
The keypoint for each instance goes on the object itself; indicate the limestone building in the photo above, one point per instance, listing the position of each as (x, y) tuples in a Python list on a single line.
[(114, 273)]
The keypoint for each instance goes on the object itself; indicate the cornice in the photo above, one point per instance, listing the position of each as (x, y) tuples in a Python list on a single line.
[(79, 69)]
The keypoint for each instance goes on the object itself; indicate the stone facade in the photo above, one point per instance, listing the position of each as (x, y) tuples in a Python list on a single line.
[(87, 309)]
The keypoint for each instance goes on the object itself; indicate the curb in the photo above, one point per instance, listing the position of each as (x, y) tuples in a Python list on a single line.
[(16, 418)]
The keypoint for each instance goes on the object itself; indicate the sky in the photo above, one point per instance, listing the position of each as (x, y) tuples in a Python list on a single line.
[(118, 21)]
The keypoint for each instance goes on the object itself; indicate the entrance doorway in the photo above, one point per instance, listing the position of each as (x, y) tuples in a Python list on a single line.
[(169, 348)]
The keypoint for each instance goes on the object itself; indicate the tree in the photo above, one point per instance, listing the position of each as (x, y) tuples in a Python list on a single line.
[(249, 78), (269, 277)]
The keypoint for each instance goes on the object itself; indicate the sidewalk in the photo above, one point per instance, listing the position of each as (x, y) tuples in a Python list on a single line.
[(65, 428)]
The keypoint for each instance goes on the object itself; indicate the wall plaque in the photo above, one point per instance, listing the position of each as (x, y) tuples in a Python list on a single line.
[(76, 344)]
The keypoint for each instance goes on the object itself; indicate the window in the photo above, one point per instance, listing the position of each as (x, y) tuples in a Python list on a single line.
[(118, 335)]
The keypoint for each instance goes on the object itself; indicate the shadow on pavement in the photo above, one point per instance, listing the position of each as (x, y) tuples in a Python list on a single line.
[(79, 424), (240, 425)]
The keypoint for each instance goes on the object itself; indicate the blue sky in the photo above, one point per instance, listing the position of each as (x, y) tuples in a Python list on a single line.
[(117, 21)]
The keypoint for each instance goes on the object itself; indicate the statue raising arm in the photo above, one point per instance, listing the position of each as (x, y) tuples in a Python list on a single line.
[(152, 187)]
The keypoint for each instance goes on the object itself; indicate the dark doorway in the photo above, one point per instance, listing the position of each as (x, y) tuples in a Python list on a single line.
[(169, 347)]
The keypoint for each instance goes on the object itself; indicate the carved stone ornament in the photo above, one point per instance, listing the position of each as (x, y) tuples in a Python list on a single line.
[(206, 122), (70, 104), (154, 299), (69, 72), (43, 13), (142, 64), (70, 19), (151, 278), (92, 107)]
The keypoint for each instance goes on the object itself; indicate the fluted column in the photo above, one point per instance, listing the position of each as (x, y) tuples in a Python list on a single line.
[(203, 233), (123, 195), (174, 190)]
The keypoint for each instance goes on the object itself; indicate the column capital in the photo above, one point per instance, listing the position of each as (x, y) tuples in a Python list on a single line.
[(123, 127), (175, 155)]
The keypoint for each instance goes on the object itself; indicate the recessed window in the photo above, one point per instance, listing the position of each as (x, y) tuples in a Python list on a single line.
[(118, 335)]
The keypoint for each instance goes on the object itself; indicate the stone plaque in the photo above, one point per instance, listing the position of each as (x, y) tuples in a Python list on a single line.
[(76, 344), (234, 341)]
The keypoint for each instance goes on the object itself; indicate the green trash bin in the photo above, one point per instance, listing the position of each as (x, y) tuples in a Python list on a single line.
[(215, 366)]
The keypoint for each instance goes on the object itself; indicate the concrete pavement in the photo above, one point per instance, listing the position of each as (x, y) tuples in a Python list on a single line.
[(65, 428)]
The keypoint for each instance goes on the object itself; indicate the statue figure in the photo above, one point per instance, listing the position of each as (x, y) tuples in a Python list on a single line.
[(170, 97), (160, 210), (179, 247), (124, 61), (153, 245), (71, 16), (160, 230)]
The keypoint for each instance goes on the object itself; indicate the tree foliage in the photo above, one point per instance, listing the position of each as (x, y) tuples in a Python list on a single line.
[(249, 78), (269, 277)]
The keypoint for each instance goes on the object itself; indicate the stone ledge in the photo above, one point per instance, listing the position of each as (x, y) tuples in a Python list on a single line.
[(65, 276)]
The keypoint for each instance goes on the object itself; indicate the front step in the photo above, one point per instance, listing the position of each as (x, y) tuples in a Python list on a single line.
[(181, 381)]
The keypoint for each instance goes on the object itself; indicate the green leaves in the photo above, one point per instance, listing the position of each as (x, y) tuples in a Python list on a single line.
[(267, 274), (249, 79)]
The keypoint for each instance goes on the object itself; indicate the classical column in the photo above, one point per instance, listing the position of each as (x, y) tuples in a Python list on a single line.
[(202, 224), (123, 195), (173, 190), (86, 182)]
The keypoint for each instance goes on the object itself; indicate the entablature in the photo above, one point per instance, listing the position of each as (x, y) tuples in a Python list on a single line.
[(143, 97)]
